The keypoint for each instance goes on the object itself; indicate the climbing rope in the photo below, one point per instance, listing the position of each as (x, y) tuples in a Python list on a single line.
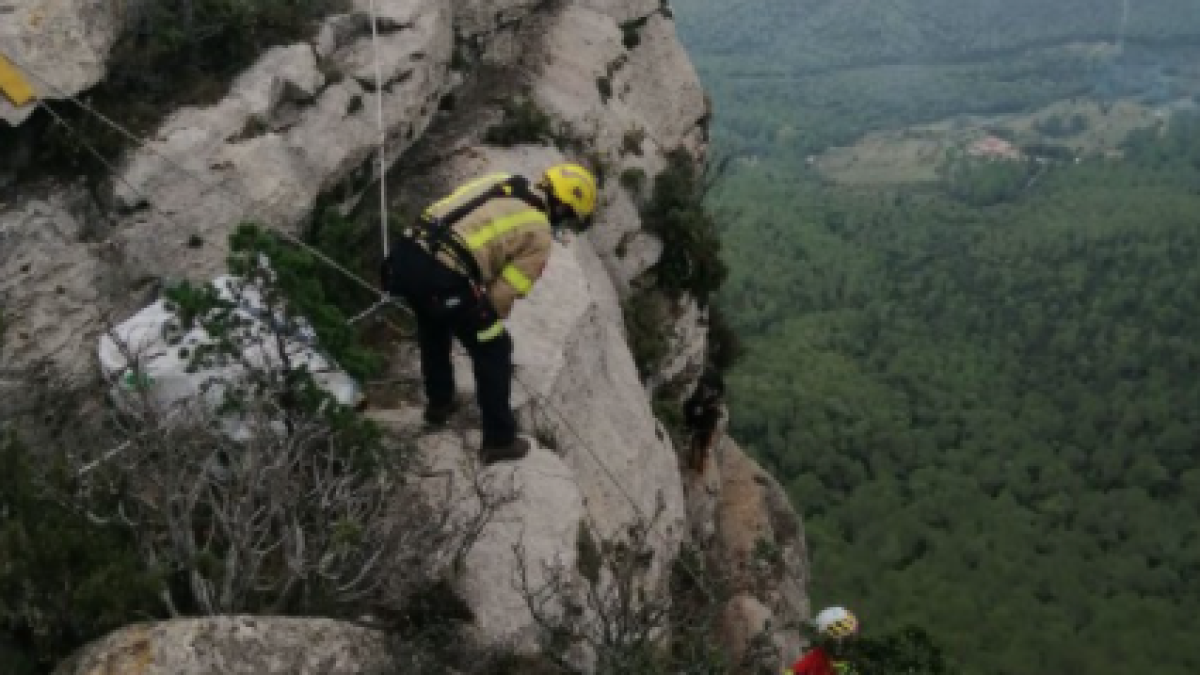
[(383, 202)]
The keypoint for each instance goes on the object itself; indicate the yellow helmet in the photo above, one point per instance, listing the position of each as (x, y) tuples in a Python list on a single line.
[(836, 622), (574, 186)]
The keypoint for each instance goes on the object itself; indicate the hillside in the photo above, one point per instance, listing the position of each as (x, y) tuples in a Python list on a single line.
[(781, 36), (973, 376), (985, 413), (807, 75)]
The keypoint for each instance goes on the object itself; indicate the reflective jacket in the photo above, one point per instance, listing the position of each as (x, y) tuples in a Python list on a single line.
[(509, 238)]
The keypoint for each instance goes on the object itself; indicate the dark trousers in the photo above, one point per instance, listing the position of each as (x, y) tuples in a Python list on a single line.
[(446, 304)]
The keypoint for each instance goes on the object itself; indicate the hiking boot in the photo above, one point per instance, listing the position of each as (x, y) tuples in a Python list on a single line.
[(516, 449), (437, 414)]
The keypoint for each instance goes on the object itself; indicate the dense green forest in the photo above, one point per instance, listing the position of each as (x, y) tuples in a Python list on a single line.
[(988, 415), (981, 393), (816, 35), (812, 73)]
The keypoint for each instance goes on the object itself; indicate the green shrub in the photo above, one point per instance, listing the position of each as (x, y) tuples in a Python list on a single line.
[(634, 180), (646, 312), (631, 32), (523, 122), (604, 86), (691, 259), (631, 142), (667, 406), (64, 580), (588, 556), (301, 281)]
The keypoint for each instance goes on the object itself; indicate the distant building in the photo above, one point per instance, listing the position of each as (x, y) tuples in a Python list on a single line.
[(994, 147)]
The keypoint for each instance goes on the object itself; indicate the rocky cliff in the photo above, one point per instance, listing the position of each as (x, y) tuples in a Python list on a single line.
[(296, 128)]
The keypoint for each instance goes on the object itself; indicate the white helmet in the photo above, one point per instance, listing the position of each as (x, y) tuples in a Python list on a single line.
[(836, 622)]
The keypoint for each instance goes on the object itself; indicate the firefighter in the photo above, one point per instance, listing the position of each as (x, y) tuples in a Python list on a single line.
[(463, 265), (834, 626)]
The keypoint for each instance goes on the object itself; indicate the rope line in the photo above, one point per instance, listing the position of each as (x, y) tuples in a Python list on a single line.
[(383, 202)]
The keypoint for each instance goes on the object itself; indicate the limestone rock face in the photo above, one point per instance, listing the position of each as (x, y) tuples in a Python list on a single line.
[(292, 127), (536, 525), (743, 623), (65, 44), (58, 288), (760, 544), (299, 125), (236, 646), (630, 106)]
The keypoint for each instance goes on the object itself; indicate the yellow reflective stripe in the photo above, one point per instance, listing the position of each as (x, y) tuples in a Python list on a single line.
[(13, 83), (517, 279), (498, 227), (494, 331), (471, 187)]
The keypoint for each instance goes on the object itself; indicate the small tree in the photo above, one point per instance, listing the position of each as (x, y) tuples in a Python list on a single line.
[(64, 580), (691, 258)]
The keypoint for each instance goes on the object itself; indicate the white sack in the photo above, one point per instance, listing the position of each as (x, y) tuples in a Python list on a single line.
[(139, 359)]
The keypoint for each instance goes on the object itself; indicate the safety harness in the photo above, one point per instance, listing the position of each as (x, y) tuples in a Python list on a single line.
[(438, 231)]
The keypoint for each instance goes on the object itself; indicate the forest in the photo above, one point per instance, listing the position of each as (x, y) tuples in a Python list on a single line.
[(810, 74), (980, 393), (821, 35), (988, 415)]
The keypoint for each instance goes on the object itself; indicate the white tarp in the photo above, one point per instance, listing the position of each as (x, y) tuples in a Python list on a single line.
[(146, 355)]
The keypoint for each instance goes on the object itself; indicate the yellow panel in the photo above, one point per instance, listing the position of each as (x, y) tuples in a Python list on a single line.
[(13, 84)]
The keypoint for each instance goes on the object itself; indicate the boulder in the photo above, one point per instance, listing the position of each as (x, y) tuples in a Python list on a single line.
[(758, 534), (760, 543), (535, 526), (744, 624), (237, 645)]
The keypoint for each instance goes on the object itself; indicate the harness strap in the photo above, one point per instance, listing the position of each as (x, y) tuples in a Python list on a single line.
[(439, 230), (512, 186)]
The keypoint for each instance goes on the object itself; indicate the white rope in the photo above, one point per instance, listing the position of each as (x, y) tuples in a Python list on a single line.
[(383, 202)]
